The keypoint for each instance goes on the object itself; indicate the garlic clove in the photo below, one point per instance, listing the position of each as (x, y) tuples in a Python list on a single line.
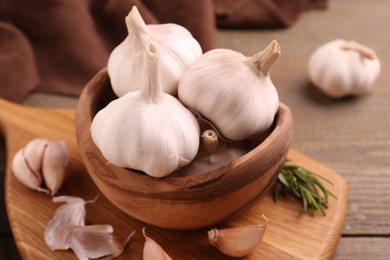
[(58, 232), (55, 159), (27, 163), (342, 68), (96, 241), (238, 241), (152, 250), (213, 153)]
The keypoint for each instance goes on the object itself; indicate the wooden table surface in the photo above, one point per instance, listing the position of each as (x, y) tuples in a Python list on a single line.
[(351, 136)]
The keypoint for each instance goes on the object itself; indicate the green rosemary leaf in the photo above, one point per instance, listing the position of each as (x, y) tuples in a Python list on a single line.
[(305, 185)]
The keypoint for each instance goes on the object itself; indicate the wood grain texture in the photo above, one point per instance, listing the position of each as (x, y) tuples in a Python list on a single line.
[(288, 236)]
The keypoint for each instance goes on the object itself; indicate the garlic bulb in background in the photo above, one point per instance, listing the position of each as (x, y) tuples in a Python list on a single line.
[(147, 130), (233, 92), (340, 68), (178, 50)]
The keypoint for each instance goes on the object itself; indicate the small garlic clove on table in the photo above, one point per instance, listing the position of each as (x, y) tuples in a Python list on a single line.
[(27, 163), (54, 161), (237, 241), (41, 162), (152, 250)]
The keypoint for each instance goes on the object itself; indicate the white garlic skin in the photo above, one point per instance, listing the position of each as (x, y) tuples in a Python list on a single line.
[(338, 71), (178, 50), (147, 130), (152, 250), (230, 91)]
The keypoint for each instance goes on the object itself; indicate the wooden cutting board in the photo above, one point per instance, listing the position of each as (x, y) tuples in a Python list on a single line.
[(288, 236)]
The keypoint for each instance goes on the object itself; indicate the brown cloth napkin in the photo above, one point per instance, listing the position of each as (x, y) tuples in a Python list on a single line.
[(56, 46)]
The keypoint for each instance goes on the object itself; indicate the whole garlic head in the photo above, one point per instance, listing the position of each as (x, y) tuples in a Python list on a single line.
[(233, 92), (340, 68), (178, 50), (147, 130)]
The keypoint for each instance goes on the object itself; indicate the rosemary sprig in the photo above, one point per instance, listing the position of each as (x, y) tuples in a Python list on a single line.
[(305, 185)]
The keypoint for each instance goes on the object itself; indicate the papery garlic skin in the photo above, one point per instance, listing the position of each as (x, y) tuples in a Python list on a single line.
[(27, 163), (58, 232), (147, 130), (340, 68), (232, 91), (178, 50), (54, 161)]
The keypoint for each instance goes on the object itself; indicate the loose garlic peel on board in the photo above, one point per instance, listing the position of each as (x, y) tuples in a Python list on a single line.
[(341, 68), (233, 92), (178, 50), (165, 136)]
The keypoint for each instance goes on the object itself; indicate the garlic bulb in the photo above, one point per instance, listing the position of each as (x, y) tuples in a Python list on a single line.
[(178, 50), (340, 68), (147, 130), (233, 92), (41, 162)]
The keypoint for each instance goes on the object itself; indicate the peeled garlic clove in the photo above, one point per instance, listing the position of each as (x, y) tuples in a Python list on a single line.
[(237, 242), (152, 250), (147, 130), (58, 232), (27, 164), (55, 159), (233, 92), (177, 47), (96, 241), (340, 68)]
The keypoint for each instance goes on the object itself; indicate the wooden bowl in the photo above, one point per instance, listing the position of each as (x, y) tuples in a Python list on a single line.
[(184, 202)]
